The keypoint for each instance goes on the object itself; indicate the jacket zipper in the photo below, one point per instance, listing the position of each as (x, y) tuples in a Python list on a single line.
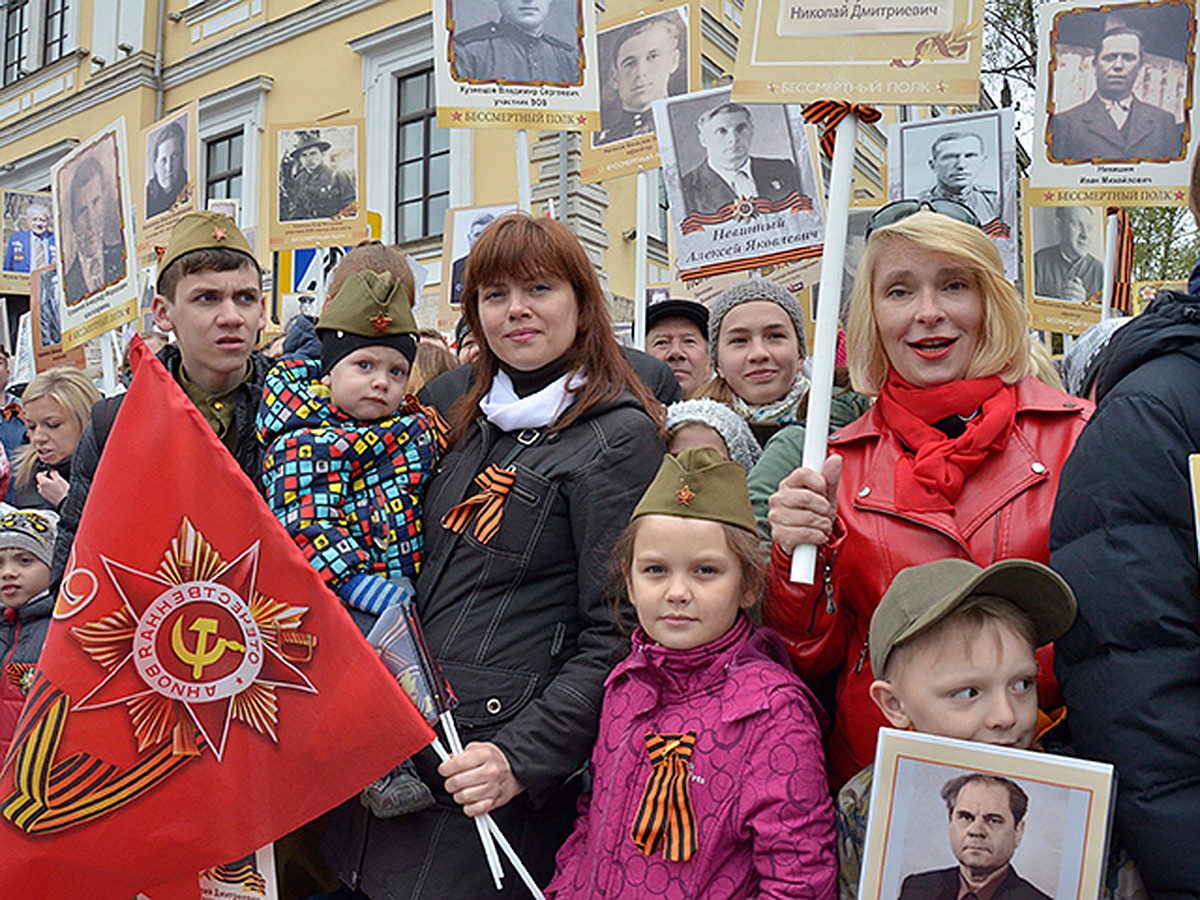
[(862, 657)]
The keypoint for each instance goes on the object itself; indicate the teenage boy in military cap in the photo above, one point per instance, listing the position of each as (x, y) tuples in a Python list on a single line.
[(952, 645), (209, 293), (348, 453)]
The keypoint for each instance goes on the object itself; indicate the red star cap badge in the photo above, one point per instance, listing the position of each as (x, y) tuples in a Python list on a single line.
[(219, 234), (685, 496), (159, 251), (381, 321)]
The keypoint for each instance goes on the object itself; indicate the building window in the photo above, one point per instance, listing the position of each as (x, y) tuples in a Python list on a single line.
[(223, 167), (422, 160), (16, 39), (55, 44)]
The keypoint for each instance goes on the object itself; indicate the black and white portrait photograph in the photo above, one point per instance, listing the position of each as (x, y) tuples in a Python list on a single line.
[(1118, 88), (954, 160), (48, 308), (91, 221), (516, 41), (318, 173), (728, 152), (1068, 252), (641, 61), (167, 165), (952, 818), (464, 226)]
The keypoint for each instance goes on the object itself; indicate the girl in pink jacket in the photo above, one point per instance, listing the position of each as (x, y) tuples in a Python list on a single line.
[(708, 778)]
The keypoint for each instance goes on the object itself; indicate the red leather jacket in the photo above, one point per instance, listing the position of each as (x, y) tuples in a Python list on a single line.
[(1002, 513)]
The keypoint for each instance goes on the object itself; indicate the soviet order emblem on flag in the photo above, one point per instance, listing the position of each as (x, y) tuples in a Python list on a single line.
[(200, 692)]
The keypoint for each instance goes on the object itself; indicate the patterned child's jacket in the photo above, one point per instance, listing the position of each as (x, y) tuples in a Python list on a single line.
[(348, 492)]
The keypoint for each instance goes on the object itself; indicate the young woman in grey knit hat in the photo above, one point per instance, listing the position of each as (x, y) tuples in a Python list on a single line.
[(756, 341)]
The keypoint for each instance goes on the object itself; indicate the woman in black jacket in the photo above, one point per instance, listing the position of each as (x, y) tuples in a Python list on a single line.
[(514, 594), (56, 406)]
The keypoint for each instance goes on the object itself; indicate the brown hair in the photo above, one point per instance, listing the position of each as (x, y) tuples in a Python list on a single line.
[(73, 391), (746, 548), (215, 259), (431, 361), (373, 256), (975, 614), (521, 247), (1004, 347)]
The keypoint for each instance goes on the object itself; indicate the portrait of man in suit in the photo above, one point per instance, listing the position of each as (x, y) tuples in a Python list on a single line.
[(987, 822), (92, 216), (458, 269), (1114, 125), (728, 172), (1067, 269), (33, 246)]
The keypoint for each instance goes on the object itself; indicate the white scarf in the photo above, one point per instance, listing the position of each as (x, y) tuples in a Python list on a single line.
[(503, 408)]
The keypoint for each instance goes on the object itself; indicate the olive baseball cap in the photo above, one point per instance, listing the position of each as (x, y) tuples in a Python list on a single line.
[(921, 596), (699, 483)]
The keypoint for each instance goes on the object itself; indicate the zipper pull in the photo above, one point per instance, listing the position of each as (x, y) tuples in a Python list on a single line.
[(862, 657), (827, 575)]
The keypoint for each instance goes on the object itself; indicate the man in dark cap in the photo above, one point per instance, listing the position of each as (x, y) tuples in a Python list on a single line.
[(308, 187), (677, 334), (516, 49)]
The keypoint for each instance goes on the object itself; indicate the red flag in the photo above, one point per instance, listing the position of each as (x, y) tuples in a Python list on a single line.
[(200, 692)]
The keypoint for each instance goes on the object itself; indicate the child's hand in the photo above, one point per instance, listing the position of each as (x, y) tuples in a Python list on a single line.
[(480, 778), (802, 511), (52, 486)]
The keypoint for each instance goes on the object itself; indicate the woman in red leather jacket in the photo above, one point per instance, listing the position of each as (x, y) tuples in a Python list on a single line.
[(959, 457)]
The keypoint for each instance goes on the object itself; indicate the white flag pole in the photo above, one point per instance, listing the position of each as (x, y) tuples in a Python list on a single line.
[(816, 426), (1110, 267), (640, 249), (524, 192)]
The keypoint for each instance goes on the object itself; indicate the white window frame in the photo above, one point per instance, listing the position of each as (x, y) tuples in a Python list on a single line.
[(244, 107)]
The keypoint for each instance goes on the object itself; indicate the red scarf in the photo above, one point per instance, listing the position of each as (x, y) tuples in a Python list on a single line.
[(931, 477)]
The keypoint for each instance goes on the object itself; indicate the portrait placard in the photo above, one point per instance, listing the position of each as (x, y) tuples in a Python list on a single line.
[(1145, 291), (45, 307), (1048, 817), (642, 57), (740, 183), (516, 64), (797, 51), (96, 266), (856, 246), (27, 236), (970, 158), (1116, 87), (169, 153), (319, 176), (250, 878), (1064, 267), (464, 225)]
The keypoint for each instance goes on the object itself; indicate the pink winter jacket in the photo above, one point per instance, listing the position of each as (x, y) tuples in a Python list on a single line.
[(758, 788)]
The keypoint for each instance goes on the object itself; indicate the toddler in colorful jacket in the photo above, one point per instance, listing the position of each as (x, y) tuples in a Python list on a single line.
[(708, 777), (348, 452)]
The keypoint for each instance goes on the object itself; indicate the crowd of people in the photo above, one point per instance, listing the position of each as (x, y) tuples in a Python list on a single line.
[(597, 543)]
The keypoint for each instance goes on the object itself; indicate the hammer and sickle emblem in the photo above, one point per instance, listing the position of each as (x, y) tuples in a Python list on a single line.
[(202, 655)]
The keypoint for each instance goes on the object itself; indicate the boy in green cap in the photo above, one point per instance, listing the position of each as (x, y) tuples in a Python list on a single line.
[(347, 454), (210, 295)]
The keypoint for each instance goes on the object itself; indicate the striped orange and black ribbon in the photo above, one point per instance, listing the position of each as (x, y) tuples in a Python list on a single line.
[(829, 112), (746, 208), (486, 508), (665, 812), (1122, 292), (996, 228)]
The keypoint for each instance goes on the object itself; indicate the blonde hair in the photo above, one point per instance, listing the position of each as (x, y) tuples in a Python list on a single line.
[(73, 391), (1042, 362), (1004, 347)]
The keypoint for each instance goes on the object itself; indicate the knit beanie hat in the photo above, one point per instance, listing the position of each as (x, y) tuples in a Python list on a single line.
[(370, 309), (747, 292), (1081, 363), (204, 231), (739, 439), (699, 484), (32, 530)]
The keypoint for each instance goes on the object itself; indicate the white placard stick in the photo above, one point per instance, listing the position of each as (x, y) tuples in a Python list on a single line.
[(524, 192), (1110, 266), (816, 426), (639, 264), (485, 836)]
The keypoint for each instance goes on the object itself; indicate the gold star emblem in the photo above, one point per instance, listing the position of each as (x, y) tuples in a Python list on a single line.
[(685, 496)]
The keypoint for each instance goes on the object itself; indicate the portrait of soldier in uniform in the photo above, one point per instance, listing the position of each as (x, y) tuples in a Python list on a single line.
[(167, 167), (1114, 123), (92, 218), (957, 160), (311, 186), (532, 42), (729, 172), (643, 61)]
